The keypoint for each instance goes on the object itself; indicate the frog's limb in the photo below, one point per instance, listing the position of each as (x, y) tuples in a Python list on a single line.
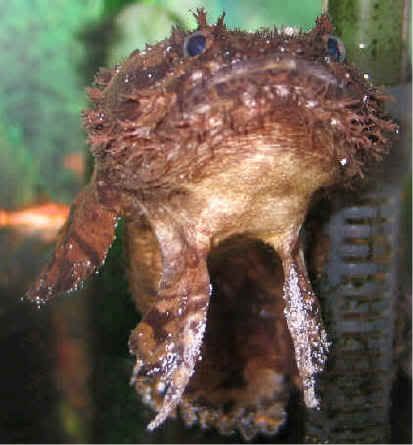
[(82, 246), (168, 340), (303, 315)]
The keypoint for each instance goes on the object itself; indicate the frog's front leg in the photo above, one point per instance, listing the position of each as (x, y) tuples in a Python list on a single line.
[(304, 321), (81, 248), (167, 341)]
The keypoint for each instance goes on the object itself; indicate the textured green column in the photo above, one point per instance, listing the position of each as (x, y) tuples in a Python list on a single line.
[(360, 286), (372, 32)]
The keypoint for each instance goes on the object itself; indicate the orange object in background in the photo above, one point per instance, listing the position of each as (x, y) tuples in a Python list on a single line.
[(75, 162), (44, 219)]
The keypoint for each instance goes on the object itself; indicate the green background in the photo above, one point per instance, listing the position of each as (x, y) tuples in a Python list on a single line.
[(50, 51)]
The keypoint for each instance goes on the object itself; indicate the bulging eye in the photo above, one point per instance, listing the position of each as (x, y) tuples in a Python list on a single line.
[(335, 49), (194, 44)]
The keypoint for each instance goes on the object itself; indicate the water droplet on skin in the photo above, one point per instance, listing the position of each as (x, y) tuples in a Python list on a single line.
[(311, 103), (161, 387), (289, 31), (248, 100), (344, 162), (149, 75), (196, 75), (333, 121), (282, 90)]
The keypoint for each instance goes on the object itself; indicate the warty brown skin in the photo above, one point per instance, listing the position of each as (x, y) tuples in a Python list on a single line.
[(194, 151)]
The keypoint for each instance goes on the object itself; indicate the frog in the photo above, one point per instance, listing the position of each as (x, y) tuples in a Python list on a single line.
[(211, 146)]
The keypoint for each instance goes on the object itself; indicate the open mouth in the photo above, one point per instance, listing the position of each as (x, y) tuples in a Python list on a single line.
[(247, 370)]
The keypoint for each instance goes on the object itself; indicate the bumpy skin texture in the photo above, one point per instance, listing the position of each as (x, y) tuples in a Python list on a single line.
[(193, 151)]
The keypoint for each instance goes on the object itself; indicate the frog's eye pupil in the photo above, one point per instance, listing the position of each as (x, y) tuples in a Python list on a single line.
[(194, 45), (335, 49)]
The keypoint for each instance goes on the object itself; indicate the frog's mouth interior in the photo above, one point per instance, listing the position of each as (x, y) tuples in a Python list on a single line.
[(247, 371)]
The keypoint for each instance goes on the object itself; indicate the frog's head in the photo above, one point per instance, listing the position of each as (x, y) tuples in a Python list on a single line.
[(162, 115)]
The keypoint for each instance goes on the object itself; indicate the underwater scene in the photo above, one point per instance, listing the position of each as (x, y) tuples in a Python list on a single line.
[(205, 221)]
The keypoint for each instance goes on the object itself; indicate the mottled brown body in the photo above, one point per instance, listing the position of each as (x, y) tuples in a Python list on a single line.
[(203, 152)]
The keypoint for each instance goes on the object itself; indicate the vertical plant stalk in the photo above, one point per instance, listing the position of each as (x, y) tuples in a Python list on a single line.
[(360, 284)]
